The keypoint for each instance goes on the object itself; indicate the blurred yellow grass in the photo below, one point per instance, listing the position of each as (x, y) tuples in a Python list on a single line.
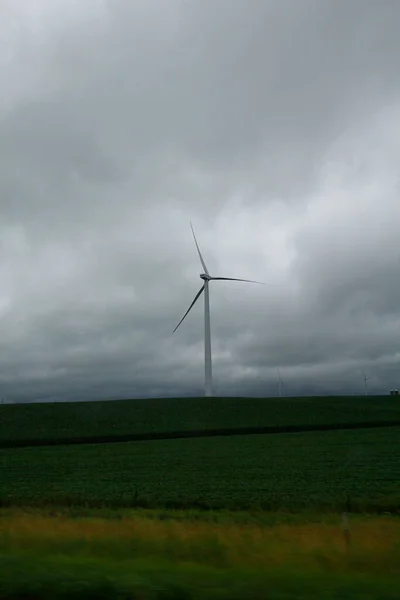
[(375, 541)]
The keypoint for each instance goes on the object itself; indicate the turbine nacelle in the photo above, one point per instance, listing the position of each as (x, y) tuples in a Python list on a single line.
[(205, 277)]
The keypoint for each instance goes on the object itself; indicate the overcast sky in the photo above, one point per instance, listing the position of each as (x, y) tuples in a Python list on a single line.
[(273, 125)]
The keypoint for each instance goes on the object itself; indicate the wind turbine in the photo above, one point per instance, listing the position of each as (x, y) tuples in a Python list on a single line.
[(206, 277), (365, 383), (279, 383)]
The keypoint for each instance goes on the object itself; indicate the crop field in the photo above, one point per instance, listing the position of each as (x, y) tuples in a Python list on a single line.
[(128, 520), (130, 417), (286, 471)]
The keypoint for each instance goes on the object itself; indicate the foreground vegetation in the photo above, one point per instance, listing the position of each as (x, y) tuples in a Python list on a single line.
[(289, 472), (157, 416), (153, 556)]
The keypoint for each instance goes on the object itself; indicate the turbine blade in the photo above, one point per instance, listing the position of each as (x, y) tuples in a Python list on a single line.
[(234, 279), (198, 250), (191, 306)]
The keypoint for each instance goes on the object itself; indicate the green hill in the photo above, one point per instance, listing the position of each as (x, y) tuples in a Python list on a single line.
[(63, 421)]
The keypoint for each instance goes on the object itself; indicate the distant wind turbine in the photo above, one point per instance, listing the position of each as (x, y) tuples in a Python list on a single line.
[(279, 383), (365, 383), (206, 277)]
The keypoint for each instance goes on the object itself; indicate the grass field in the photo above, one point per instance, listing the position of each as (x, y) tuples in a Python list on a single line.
[(288, 471), (140, 555), (127, 417)]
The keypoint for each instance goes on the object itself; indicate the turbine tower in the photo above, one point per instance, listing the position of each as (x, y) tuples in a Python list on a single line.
[(280, 382), (206, 277), (365, 383)]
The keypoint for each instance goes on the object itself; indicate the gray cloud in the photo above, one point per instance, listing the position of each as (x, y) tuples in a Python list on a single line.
[(273, 125)]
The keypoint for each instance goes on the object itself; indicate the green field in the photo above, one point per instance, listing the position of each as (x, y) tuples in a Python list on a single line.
[(288, 471), (127, 520), (139, 555), (129, 417)]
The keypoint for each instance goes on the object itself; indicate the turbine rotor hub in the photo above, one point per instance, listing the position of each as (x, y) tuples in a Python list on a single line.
[(205, 277)]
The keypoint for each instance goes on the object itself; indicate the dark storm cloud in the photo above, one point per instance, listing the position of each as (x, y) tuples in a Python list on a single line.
[(273, 125)]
